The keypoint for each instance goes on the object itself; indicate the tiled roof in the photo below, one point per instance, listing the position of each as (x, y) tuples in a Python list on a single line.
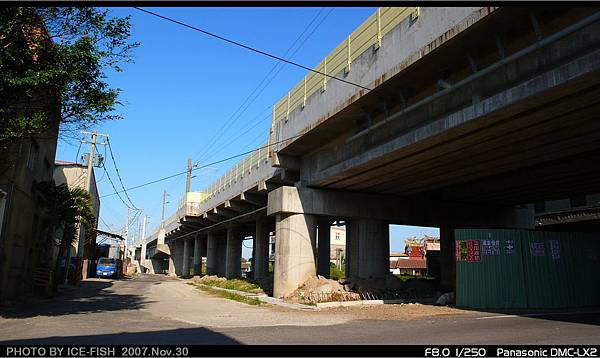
[(408, 264)]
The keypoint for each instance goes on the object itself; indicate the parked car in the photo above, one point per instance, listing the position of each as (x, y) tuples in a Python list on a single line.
[(106, 267)]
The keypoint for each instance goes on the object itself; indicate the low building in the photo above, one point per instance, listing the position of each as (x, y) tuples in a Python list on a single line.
[(420, 257), (337, 251), (409, 266), (75, 176)]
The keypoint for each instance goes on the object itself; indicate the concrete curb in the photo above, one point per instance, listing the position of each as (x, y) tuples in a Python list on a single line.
[(371, 303), (282, 303)]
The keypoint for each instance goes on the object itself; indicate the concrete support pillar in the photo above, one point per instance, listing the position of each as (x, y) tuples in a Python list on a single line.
[(185, 265), (199, 253), (176, 258), (447, 259), (260, 248), (324, 247), (367, 248), (222, 256), (233, 259), (212, 254), (143, 261), (294, 252)]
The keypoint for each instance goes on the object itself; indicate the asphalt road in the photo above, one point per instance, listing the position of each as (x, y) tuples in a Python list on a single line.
[(158, 310)]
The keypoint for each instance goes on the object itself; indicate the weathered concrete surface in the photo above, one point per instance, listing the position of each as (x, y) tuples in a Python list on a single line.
[(368, 249), (185, 271), (294, 252), (343, 204), (233, 260), (212, 254), (404, 45), (260, 246), (176, 258)]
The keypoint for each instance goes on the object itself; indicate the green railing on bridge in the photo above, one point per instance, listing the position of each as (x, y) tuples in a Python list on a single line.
[(367, 36)]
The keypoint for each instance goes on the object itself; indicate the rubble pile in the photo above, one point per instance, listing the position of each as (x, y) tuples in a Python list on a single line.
[(321, 289)]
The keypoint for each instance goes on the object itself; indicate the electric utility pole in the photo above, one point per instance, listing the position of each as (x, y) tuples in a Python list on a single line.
[(164, 203), (88, 181), (145, 222), (189, 176), (126, 236)]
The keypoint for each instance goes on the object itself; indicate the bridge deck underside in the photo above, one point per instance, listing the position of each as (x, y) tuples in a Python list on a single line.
[(546, 151)]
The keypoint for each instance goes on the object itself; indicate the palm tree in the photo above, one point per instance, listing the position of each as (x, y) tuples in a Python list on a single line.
[(66, 208)]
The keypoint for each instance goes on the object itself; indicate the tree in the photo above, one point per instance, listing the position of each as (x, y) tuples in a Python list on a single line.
[(66, 208), (53, 68)]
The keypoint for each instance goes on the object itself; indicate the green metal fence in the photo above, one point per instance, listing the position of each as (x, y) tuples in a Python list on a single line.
[(526, 269)]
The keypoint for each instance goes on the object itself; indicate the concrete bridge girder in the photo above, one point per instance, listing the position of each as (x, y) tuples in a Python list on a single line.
[(350, 205)]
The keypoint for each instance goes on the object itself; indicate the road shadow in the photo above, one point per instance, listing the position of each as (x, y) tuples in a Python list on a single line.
[(89, 297), (581, 315), (174, 336)]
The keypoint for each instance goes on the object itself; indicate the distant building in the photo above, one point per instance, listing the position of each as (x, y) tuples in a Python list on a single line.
[(413, 267), (421, 257), (337, 251)]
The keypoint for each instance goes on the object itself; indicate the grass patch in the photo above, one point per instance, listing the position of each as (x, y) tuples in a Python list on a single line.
[(405, 278), (230, 296), (233, 284)]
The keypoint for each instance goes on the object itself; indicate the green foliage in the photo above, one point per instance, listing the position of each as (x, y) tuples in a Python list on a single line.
[(65, 209), (230, 296), (53, 68), (335, 273), (231, 284), (405, 278)]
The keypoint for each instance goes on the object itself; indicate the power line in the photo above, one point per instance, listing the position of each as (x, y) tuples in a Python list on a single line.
[(276, 73), (115, 189), (250, 48), (250, 99), (119, 174), (196, 167), (241, 134)]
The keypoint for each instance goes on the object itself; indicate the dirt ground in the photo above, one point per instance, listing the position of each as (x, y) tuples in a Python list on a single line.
[(396, 311)]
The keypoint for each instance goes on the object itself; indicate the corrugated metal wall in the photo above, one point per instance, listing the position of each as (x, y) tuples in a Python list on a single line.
[(526, 269)]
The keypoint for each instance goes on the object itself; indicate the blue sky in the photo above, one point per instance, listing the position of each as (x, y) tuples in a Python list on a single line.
[(184, 85)]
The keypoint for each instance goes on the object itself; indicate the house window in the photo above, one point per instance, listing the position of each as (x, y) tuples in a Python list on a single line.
[(33, 156)]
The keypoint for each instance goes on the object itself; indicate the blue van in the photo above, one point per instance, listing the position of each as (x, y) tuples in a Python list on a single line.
[(106, 267)]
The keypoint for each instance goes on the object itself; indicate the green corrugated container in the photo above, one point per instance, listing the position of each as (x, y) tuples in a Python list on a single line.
[(527, 269)]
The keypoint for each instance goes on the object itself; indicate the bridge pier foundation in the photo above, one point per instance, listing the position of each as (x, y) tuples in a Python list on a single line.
[(185, 265), (367, 248), (212, 254), (260, 262), (176, 258), (221, 256), (447, 259), (233, 258), (294, 252)]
